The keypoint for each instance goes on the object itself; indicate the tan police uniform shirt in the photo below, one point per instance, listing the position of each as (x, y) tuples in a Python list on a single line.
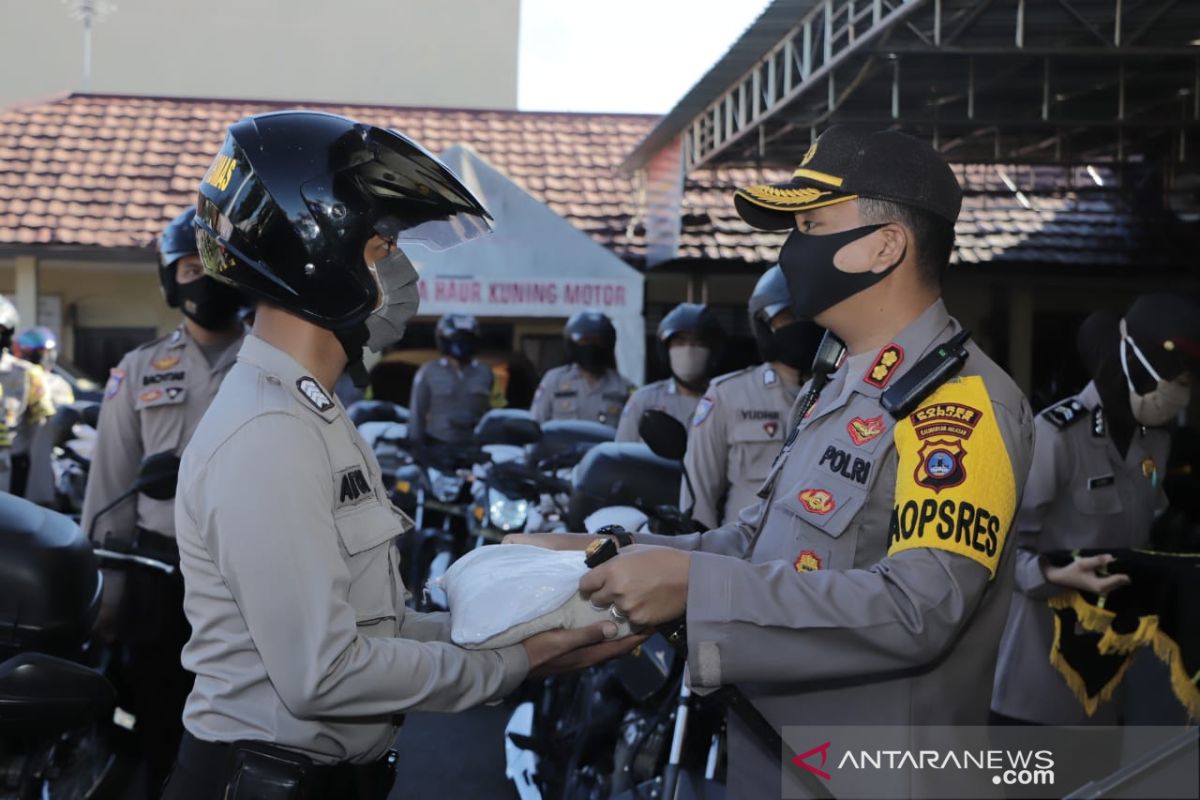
[(1080, 494), (662, 395), (737, 430), (286, 540), (567, 392), (152, 404), (447, 401), (873, 585), (40, 486), (25, 404)]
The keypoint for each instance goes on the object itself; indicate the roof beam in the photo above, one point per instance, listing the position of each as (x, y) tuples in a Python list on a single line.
[(1069, 50), (1083, 21), (859, 27)]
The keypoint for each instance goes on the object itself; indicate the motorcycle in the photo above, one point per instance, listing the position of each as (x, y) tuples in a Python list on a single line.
[(621, 729), (63, 730)]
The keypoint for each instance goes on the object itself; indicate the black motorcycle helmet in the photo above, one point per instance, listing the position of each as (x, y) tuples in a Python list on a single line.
[(292, 199), (591, 341), (177, 240), (692, 318), (457, 336), (771, 297)]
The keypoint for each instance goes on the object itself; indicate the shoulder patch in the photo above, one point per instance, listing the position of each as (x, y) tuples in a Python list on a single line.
[(1065, 413), (115, 377), (313, 392), (703, 409), (955, 489), (770, 377)]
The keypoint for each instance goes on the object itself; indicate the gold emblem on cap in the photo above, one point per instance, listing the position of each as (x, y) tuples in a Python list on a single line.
[(808, 154)]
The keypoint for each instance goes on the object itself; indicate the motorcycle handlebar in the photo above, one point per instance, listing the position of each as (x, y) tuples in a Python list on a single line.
[(115, 558)]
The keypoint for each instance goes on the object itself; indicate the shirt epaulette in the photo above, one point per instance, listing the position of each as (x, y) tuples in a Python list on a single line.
[(1065, 413), (730, 375), (153, 343)]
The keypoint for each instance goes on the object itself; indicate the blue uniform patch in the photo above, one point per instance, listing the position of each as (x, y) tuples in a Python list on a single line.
[(703, 408), (115, 376)]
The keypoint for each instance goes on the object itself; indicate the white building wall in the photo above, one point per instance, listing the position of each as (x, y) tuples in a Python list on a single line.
[(451, 53)]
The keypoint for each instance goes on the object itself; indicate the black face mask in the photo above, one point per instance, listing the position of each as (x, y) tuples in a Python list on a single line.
[(795, 345), (209, 303), (815, 283), (592, 358)]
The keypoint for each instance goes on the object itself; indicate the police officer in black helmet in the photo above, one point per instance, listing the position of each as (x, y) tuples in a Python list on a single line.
[(689, 342), (589, 386), (451, 393), (304, 653)]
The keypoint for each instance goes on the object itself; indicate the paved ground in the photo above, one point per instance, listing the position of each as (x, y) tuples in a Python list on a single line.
[(451, 756)]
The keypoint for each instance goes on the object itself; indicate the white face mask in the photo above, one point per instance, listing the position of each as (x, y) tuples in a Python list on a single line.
[(688, 362), (1160, 406), (399, 300)]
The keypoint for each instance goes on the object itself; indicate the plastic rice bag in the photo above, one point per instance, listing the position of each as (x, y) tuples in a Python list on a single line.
[(499, 596)]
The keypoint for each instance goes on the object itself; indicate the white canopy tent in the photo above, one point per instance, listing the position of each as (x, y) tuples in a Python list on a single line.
[(535, 264)]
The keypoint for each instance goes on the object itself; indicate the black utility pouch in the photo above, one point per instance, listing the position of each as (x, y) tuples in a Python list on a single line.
[(275, 775)]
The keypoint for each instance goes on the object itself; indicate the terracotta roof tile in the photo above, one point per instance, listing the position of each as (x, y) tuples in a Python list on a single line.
[(108, 171)]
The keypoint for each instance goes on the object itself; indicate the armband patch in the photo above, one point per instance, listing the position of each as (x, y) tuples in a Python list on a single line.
[(955, 489)]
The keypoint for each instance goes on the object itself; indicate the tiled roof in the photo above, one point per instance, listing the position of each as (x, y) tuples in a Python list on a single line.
[(108, 171)]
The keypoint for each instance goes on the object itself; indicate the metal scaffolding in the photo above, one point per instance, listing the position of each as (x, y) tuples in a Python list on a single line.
[(1054, 81)]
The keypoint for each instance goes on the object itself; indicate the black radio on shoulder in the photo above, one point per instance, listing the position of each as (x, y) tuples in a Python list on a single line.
[(926, 375)]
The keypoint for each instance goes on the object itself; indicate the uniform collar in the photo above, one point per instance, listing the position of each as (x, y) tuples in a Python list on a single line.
[(281, 367), (180, 339), (1089, 398), (871, 373)]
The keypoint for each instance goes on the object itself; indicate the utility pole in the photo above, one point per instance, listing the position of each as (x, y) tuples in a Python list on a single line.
[(88, 12)]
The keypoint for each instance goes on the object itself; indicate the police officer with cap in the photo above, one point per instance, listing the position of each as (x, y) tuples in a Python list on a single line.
[(304, 653), (26, 404), (450, 394), (153, 402), (589, 386), (835, 600), (1096, 482), (740, 423), (689, 341)]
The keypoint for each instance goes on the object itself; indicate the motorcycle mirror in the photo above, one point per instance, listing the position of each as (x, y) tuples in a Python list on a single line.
[(663, 434), (89, 414), (157, 476)]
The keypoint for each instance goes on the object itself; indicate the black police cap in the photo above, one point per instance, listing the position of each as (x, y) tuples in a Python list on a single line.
[(846, 163)]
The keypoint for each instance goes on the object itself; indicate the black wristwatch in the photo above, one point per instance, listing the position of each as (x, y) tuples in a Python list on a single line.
[(624, 538)]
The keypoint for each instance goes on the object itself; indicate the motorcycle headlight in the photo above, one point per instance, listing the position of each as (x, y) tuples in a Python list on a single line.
[(445, 485), (506, 513)]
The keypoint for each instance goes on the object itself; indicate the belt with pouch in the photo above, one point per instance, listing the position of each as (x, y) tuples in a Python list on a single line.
[(263, 771)]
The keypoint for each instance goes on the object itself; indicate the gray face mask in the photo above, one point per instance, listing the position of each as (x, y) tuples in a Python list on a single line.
[(399, 300), (688, 361), (1161, 405)]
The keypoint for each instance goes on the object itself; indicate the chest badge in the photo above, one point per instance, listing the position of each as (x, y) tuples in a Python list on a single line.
[(164, 363), (807, 561), (703, 409), (884, 365), (817, 501), (1150, 471), (864, 430), (771, 427), (313, 392), (174, 391), (150, 395)]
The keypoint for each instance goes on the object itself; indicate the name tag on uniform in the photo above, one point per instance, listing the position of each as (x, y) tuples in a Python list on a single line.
[(565, 394), (1101, 482)]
